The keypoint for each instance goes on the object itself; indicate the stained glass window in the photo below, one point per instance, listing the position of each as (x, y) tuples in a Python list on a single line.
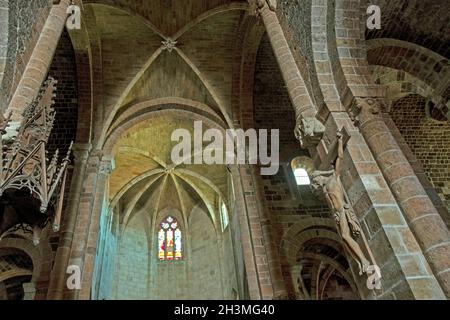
[(170, 240)]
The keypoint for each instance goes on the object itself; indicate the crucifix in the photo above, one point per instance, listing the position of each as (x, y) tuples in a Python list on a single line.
[(327, 180)]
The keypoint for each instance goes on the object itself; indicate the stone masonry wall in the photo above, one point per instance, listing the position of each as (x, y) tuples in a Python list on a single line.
[(273, 110), (25, 20), (63, 69), (205, 269), (295, 18), (132, 268)]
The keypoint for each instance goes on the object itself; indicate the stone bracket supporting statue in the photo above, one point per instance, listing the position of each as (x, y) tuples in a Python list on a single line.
[(309, 131), (329, 184)]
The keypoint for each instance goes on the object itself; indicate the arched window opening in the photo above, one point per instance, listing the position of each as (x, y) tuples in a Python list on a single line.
[(302, 177), (170, 240), (224, 215), (300, 167)]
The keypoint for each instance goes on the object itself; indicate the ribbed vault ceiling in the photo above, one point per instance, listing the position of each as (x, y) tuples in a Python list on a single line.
[(138, 68), (145, 179)]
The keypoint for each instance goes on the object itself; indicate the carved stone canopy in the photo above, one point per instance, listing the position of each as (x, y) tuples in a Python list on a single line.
[(24, 165)]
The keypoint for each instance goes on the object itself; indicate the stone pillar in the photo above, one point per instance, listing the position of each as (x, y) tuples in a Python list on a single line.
[(58, 276), (29, 291), (40, 60), (418, 170), (86, 230), (422, 217), (271, 247), (256, 257), (301, 100), (3, 292)]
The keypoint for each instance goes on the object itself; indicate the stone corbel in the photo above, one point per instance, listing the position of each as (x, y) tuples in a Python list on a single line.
[(309, 131), (81, 152), (106, 165), (272, 4), (365, 108)]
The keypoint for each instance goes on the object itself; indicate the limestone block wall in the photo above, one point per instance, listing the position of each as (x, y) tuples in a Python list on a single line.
[(229, 257), (127, 266), (205, 267), (103, 279), (132, 266)]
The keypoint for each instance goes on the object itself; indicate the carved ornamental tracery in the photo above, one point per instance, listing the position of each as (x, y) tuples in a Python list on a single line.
[(24, 165)]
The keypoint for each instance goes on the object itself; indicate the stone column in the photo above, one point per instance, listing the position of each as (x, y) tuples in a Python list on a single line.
[(418, 170), (262, 264), (29, 291), (271, 247), (58, 276), (86, 230), (256, 257), (40, 60), (422, 217), (3, 292), (304, 108)]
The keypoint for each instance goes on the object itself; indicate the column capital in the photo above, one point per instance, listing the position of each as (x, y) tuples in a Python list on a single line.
[(364, 109), (106, 165), (81, 151)]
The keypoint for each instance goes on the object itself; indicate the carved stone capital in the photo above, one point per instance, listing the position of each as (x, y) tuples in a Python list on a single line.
[(309, 131), (363, 109), (81, 151), (106, 166)]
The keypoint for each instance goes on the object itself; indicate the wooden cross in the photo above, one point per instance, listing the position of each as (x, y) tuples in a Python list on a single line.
[(327, 153)]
